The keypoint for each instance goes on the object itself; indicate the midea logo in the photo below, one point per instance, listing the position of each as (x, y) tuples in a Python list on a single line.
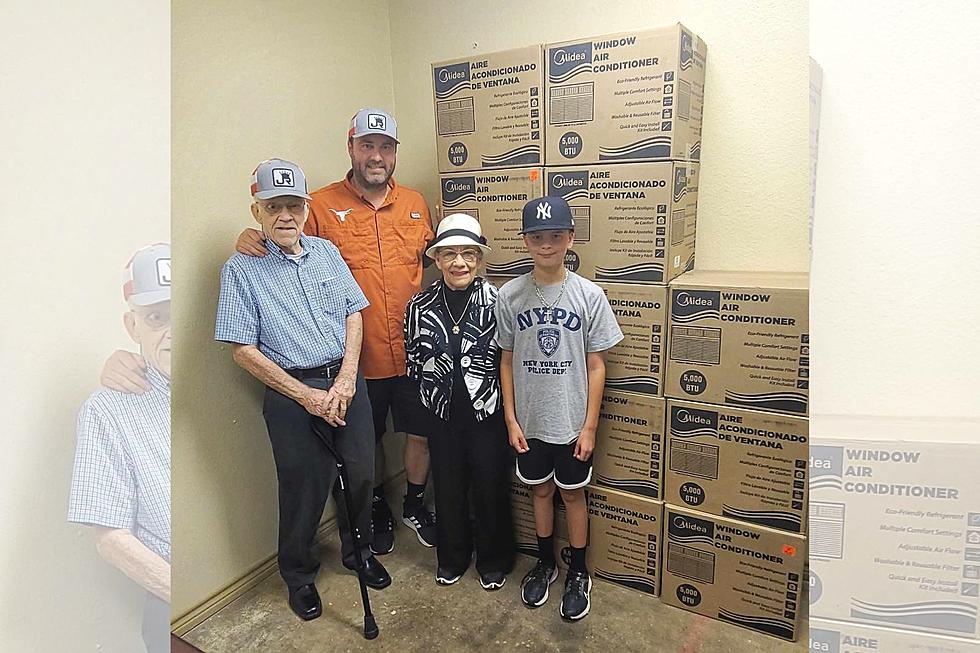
[(562, 57), (680, 522), (688, 418), (683, 299), (445, 75), (561, 182)]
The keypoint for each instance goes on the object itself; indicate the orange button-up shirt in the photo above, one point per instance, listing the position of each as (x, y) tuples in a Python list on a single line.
[(383, 249)]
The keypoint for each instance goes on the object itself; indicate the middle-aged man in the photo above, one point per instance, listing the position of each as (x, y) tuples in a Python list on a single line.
[(382, 230), (293, 318), (121, 479)]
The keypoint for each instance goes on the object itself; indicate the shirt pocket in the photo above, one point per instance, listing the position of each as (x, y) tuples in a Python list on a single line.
[(408, 241), (333, 299)]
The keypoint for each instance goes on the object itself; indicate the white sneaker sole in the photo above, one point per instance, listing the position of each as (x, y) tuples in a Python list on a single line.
[(411, 524), (492, 586), (544, 599), (588, 604), (448, 581)]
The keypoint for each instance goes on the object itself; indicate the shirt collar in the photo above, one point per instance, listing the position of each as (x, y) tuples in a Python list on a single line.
[(157, 379), (274, 248), (479, 296)]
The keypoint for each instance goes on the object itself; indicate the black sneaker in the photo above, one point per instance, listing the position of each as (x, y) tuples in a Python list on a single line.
[(575, 600), (493, 580), (534, 587), (383, 524), (423, 522), (446, 577)]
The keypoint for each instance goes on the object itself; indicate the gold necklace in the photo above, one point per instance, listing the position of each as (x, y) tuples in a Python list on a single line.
[(450, 311)]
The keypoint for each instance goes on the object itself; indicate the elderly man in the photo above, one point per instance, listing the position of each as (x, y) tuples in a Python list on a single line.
[(382, 230), (121, 479), (293, 318)]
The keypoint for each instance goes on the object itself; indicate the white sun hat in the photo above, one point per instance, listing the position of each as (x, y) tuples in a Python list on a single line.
[(458, 229)]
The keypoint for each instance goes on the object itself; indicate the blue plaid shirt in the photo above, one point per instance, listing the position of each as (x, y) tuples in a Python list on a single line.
[(122, 463), (293, 309)]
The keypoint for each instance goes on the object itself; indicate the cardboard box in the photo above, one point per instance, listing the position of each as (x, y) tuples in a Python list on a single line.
[(742, 464), (628, 449), (743, 574), (496, 198), (488, 111), (633, 96), (522, 508), (624, 539), (636, 364), (740, 339), (633, 224), (895, 523), (837, 637)]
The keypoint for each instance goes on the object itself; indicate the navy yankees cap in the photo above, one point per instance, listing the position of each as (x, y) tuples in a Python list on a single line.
[(546, 213)]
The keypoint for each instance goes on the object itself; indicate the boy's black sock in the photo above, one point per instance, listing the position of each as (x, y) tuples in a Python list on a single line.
[(414, 495), (546, 549), (577, 562)]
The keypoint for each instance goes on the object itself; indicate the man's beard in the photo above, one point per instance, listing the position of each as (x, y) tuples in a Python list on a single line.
[(373, 185)]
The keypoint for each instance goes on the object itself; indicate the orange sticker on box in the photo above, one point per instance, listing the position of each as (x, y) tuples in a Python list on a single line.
[(534, 175), (789, 549)]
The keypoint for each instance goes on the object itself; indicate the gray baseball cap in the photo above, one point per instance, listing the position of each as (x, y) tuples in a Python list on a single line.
[(146, 279), (278, 177), (373, 121)]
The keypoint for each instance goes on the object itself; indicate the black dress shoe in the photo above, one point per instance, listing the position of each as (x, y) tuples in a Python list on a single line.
[(375, 575), (305, 602)]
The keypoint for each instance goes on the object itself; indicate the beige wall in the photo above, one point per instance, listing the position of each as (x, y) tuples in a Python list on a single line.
[(895, 298), (251, 80), (84, 182), (754, 191)]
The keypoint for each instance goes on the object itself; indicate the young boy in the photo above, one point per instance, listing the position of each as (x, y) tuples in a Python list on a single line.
[(553, 327)]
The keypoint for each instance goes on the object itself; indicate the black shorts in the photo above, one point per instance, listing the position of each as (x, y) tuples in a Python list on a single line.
[(544, 461), (400, 396)]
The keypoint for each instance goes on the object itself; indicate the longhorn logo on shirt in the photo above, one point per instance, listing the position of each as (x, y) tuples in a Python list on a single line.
[(341, 215), (548, 340)]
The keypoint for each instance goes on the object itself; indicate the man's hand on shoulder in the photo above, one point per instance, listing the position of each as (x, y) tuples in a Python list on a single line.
[(125, 371), (252, 243)]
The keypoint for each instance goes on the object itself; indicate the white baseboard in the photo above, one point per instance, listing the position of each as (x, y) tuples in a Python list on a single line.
[(206, 609)]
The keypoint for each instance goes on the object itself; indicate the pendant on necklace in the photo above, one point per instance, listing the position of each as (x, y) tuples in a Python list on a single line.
[(456, 328), (547, 315)]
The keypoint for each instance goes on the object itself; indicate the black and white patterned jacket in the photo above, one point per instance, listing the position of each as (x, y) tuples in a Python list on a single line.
[(429, 354)]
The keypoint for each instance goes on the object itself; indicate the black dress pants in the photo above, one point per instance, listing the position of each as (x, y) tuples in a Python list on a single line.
[(308, 473), (473, 459)]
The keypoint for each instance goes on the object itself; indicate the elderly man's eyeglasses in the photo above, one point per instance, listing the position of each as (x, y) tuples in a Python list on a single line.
[(155, 317), (449, 255), (273, 208)]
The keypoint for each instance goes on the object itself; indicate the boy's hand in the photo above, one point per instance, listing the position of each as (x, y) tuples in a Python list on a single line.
[(516, 435), (585, 444), (125, 372), (252, 243)]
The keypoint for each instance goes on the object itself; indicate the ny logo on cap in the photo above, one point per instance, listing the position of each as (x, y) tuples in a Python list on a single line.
[(282, 177), (376, 121), (544, 211)]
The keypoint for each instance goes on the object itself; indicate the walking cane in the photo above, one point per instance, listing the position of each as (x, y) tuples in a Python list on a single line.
[(370, 625)]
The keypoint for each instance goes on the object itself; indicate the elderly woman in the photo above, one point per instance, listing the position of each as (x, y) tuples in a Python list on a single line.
[(452, 354)]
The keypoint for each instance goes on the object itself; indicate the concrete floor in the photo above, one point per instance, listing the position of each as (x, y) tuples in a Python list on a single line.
[(416, 614)]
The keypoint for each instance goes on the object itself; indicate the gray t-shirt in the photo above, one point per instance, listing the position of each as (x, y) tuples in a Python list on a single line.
[(551, 381)]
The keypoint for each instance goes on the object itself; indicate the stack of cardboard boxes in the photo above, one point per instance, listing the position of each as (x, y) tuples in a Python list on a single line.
[(737, 438), (706, 398), (895, 531)]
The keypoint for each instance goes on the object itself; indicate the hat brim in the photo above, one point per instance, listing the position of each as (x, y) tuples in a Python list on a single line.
[(450, 241), (275, 192), (370, 133), (544, 228), (149, 298)]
